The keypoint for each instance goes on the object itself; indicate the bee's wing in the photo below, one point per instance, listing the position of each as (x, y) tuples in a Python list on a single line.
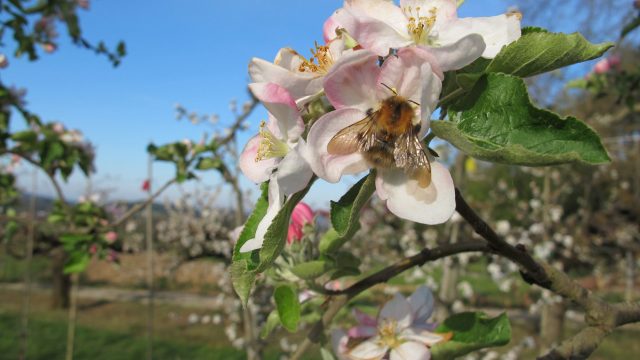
[(359, 136), (409, 154)]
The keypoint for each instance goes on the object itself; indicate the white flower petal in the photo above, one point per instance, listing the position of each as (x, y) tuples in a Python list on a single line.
[(297, 83), (368, 350), (459, 54), (372, 34), (351, 82), (496, 31), (398, 310), (339, 340), (256, 171), (434, 204), (381, 10), (421, 304), (410, 351), (421, 336), (294, 172), (326, 166), (276, 200), (282, 106)]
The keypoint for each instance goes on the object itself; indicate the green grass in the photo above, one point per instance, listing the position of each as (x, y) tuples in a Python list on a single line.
[(47, 340), (12, 270)]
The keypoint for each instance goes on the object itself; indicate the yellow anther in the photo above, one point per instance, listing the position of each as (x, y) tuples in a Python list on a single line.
[(320, 62), (270, 146)]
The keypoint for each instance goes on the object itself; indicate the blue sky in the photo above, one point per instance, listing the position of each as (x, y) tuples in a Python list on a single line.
[(192, 52)]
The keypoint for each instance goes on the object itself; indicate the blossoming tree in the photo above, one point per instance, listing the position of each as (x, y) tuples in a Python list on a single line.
[(366, 101)]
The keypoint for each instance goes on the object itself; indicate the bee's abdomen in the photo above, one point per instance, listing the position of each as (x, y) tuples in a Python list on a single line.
[(380, 155)]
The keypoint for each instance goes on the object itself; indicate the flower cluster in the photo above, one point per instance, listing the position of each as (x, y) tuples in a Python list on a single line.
[(401, 330), (380, 74)]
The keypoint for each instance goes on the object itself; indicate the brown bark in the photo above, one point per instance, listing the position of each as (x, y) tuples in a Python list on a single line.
[(60, 282), (551, 325)]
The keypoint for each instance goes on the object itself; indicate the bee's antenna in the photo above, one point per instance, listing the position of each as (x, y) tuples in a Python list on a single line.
[(413, 102), (394, 91)]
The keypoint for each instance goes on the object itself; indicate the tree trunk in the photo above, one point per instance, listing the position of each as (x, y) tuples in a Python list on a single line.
[(551, 325), (631, 277), (61, 283)]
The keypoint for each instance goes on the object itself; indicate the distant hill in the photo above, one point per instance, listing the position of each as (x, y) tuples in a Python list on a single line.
[(45, 204)]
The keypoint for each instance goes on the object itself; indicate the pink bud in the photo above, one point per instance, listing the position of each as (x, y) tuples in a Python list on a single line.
[(111, 237), (93, 249), (49, 47), (602, 67), (302, 215), (146, 185)]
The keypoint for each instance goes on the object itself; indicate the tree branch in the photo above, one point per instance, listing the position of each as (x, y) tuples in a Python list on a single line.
[(340, 298), (142, 205)]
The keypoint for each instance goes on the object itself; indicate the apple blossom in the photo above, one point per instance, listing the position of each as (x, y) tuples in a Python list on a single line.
[(300, 76), (380, 25), (400, 330), (355, 87), (274, 154)]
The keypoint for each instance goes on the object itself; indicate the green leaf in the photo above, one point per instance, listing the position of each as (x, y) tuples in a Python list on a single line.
[(242, 279), (276, 236), (345, 214), (27, 136), (288, 307), (208, 163), (312, 269), (242, 275), (497, 122), (250, 226), (538, 51), (78, 261), (273, 320), (471, 332)]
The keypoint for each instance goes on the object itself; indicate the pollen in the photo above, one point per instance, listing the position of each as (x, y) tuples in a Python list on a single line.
[(270, 146), (420, 25), (320, 62), (388, 333)]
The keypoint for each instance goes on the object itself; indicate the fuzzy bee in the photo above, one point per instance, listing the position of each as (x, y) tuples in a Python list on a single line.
[(387, 137)]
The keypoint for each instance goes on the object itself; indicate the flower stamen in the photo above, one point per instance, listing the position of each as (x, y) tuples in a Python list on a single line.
[(320, 62), (388, 332), (420, 26), (270, 146)]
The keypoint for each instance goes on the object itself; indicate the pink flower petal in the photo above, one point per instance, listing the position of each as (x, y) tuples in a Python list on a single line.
[(351, 82), (362, 332), (406, 199), (397, 310), (326, 166), (282, 106), (256, 171), (421, 305), (285, 73), (368, 350), (364, 319), (329, 29)]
